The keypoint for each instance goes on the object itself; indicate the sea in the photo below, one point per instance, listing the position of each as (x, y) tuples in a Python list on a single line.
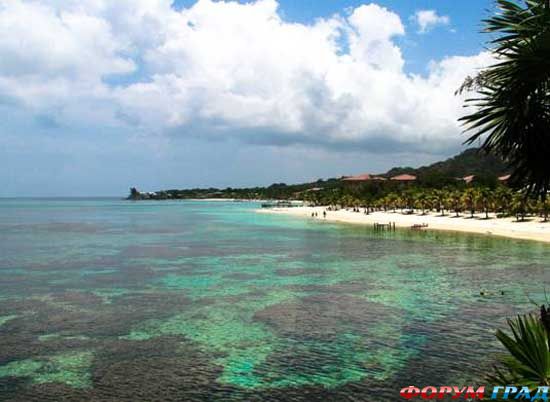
[(112, 300)]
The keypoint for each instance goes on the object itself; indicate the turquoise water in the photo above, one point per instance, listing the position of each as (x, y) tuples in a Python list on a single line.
[(208, 301)]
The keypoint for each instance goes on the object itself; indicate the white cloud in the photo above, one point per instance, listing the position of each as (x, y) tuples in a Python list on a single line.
[(228, 69), (372, 30), (37, 40), (429, 19)]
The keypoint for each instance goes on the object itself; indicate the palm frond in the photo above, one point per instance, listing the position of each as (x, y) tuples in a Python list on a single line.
[(512, 109), (528, 361)]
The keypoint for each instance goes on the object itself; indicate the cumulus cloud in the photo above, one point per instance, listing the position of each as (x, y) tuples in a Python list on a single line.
[(429, 19), (225, 69)]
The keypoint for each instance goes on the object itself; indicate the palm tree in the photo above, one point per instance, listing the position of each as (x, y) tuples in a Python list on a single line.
[(408, 199), (455, 199), (309, 197), (544, 207), (519, 207), (400, 203), (512, 109), (392, 201), (503, 197), (440, 197), (334, 199), (385, 202), (484, 199), (448, 200), (469, 200), (528, 362), (422, 201)]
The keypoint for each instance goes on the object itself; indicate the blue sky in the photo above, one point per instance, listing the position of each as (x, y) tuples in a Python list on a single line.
[(98, 98)]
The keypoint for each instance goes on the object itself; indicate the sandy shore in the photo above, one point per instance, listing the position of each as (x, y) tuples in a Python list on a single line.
[(532, 229)]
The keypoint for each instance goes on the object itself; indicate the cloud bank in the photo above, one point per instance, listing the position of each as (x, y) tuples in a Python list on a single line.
[(219, 70)]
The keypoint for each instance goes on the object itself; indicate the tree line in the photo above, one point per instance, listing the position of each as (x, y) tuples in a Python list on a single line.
[(466, 202)]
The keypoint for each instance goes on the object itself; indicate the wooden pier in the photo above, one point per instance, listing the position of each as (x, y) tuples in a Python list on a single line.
[(387, 227)]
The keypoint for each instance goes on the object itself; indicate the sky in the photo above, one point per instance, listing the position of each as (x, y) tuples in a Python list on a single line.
[(97, 96)]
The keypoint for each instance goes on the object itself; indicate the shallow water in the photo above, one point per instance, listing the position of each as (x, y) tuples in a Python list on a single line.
[(107, 300)]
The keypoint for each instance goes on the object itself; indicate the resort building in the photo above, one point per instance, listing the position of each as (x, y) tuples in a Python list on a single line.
[(468, 179), (405, 178), (504, 179), (363, 178)]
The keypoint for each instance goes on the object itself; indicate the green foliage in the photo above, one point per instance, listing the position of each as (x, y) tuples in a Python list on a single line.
[(484, 198), (519, 206), (469, 200), (394, 197), (485, 180), (503, 198), (436, 179), (470, 162), (544, 208), (134, 194), (512, 109), (528, 359), (455, 202)]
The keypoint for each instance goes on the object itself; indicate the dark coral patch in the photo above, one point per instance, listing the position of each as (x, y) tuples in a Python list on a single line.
[(322, 316)]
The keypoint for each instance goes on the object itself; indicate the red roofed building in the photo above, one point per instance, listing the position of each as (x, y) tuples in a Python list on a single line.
[(504, 179), (468, 179), (363, 178), (404, 178)]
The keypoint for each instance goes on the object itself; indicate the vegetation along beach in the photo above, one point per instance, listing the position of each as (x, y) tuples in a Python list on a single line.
[(470, 192)]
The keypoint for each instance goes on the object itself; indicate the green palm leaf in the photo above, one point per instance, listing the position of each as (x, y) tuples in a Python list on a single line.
[(528, 362), (512, 111)]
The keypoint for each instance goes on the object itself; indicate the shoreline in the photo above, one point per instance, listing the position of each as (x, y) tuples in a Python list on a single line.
[(532, 229)]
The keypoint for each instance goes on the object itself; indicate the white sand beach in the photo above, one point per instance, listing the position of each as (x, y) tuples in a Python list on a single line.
[(532, 229)]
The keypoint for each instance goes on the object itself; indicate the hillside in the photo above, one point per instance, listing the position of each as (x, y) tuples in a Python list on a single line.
[(437, 175), (469, 162)]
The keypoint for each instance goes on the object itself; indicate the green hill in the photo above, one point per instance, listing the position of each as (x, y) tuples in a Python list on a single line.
[(470, 162), (485, 167)]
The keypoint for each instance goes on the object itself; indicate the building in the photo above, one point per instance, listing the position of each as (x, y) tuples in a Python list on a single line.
[(468, 179), (363, 178), (504, 179), (404, 178)]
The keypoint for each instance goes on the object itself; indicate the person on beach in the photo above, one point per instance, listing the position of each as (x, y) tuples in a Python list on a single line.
[(325, 214)]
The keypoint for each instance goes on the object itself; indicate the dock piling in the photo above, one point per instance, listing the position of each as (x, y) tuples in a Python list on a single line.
[(380, 227)]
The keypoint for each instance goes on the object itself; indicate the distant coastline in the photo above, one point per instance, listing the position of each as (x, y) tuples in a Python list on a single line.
[(534, 229)]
